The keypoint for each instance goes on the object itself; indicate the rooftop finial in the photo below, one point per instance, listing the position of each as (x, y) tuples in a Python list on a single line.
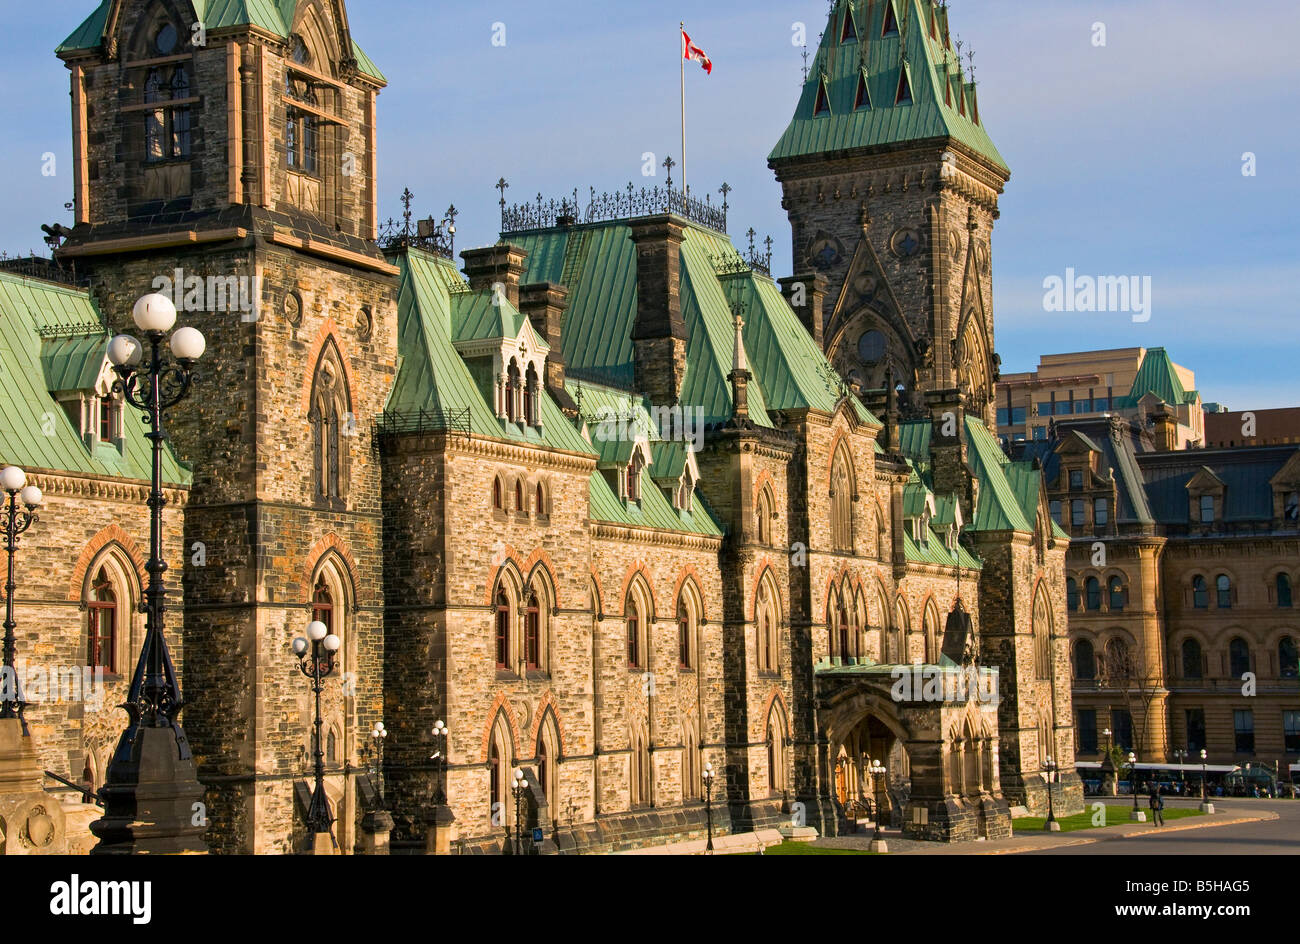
[(739, 362), (503, 187), (668, 165)]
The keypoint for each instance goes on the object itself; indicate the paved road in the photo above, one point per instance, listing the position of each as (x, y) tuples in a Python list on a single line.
[(1280, 836)]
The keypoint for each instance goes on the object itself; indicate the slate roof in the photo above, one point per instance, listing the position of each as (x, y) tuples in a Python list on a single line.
[(35, 432), (274, 16), (943, 103)]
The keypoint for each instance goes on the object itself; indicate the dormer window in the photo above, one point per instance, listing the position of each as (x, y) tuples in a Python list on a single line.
[(1207, 509), (110, 419), (633, 484)]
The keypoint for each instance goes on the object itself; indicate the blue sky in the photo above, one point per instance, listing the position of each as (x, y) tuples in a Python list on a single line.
[(1126, 160)]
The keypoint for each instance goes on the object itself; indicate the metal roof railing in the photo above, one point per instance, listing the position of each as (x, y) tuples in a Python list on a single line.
[(619, 205)]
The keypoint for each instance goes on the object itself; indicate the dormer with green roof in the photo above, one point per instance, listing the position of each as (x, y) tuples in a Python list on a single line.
[(891, 183)]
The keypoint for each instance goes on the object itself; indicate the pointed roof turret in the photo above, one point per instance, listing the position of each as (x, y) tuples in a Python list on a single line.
[(915, 91)]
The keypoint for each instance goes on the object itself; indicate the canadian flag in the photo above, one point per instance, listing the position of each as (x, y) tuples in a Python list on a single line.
[(693, 53)]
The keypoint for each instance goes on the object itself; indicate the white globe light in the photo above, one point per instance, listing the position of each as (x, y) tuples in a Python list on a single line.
[(154, 313), (31, 496), (124, 351), (332, 643), (300, 646), (188, 344), (12, 478), (316, 630)]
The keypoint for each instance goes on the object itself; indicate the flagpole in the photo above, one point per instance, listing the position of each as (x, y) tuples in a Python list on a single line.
[(682, 63)]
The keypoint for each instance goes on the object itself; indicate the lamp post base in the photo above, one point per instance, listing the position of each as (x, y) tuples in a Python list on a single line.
[(441, 827), (879, 845), (1052, 826), (33, 819), (1207, 807), (1137, 816), (153, 801)]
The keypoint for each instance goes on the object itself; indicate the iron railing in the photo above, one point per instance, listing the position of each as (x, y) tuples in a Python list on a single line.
[(397, 422), (619, 205)]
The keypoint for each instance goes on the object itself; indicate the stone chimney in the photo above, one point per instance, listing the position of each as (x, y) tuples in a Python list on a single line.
[(544, 304), (1166, 429), (948, 445), (806, 294), (659, 334), (501, 264)]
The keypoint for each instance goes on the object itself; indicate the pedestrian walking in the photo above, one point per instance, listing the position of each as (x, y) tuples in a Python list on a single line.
[(1157, 803)]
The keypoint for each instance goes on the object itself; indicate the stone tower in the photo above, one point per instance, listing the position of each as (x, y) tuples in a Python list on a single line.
[(230, 163), (891, 184)]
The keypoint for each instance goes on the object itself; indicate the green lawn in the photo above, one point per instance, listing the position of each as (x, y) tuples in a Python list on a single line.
[(1115, 815)]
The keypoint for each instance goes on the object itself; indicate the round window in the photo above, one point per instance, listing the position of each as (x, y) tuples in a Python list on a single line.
[(165, 41), (871, 347)]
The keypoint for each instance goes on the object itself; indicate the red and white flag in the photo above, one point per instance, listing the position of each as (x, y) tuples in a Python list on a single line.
[(693, 53)]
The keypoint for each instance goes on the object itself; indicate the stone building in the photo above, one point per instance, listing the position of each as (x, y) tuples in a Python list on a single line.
[(1183, 627), (613, 503)]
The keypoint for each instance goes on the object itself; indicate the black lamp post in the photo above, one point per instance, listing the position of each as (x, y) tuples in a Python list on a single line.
[(377, 735), (1206, 805), (151, 794), (1180, 756), (519, 788), (1133, 785), (317, 667), (708, 805), (1050, 768), (14, 481), (878, 771), (440, 755)]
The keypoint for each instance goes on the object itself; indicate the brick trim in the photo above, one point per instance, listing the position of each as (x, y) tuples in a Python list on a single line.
[(689, 574), (764, 478), (762, 568), (113, 534), (500, 561), (548, 703), (773, 697), (501, 705), (330, 542), (639, 567), (329, 330)]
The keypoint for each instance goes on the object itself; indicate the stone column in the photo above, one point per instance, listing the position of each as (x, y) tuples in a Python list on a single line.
[(442, 826), (375, 829)]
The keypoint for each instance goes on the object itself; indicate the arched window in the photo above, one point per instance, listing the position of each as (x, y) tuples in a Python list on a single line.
[(548, 760), (894, 654), (502, 630), (520, 507), (1238, 657), (332, 747), (690, 761), (766, 620), (842, 500), (1071, 594), (1193, 663), (633, 634), (639, 772), (530, 396), (1283, 590), (101, 649), (1119, 666), (1116, 594), (322, 603), (683, 637), (844, 629), (543, 766), (1092, 592), (1288, 658), (633, 483), (513, 384), (500, 764), (1042, 630), (302, 127), (763, 515), (1223, 586), (533, 633), (331, 419), (540, 500), (1085, 660), (1200, 593), (776, 751), (498, 496)]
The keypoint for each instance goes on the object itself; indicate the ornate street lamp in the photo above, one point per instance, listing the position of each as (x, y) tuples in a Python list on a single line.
[(708, 804), (14, 481), (1206, 805), (440, 755), (377, 735), (324, 647), (152, 794), (878, 771), (1180, 756), (1049, 768), (519, 788)]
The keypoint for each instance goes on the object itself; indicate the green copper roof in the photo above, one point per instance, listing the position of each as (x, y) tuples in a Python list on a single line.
[(851, 99), (481, 316), (1157, 375), (432, 377), (653, 511), (934, 551), (597, 263), (274, 16), (35, 432)]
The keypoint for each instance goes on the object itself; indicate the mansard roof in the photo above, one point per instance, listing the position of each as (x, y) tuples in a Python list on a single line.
[(942, 104), (1157, 376), (273, 16), (597, 263), (52, 339)]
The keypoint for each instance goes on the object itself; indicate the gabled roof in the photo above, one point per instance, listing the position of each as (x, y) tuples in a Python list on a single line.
[(928, 64), (34, 431), (273, 16)]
